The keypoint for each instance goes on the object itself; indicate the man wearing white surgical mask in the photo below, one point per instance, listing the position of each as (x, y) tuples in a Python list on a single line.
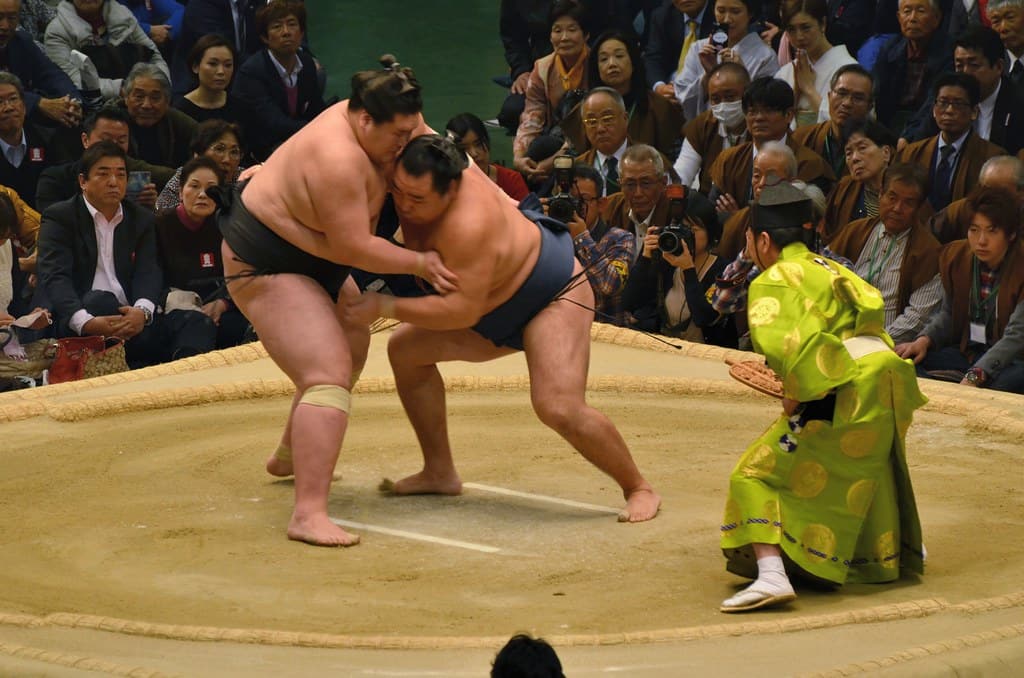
[(720, 127)]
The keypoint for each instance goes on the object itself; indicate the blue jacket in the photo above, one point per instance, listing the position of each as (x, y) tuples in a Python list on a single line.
[(167, 12), (40, 77)]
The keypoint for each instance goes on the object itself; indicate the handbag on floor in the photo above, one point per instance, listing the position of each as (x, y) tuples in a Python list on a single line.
[(86, 357)]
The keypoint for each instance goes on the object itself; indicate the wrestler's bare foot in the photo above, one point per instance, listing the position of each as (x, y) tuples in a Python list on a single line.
[(318, 530), (423, 483), (278, 467), (641, 504)]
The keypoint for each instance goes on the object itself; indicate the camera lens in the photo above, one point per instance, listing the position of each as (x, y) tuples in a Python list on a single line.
[(668, 242)]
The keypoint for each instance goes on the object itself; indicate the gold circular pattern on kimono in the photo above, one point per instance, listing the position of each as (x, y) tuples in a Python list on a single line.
[(791, 342), (733, 516), (859, 496), (829, 360), (814, 427), (885, 546), (771, 511), (761, 464), (847, 404), (792, 274), (764, 311), (845, 289), (858, 442), (819, 542), (808, 479)]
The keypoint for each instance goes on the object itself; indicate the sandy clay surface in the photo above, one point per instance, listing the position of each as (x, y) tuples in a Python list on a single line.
[(151, 542)]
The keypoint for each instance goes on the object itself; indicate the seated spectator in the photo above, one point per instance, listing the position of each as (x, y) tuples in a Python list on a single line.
[(24, 231), (720, 127), (1005, 172), (198, 313), (278, 86), (108, 36), (212, 62), (605, 252), (525, 35), (674, 27), (26, 149), (49, 92), (742, 47), (110, 123), (910, 62), (160, 20), (768, 107), (979, 52), (850, 98), (815, 59), (471, 136), (775, 161), (979, 331), (215, 139), (869, 149), (641, 202), (233, 20), (667, 291), (526, 656), (35, 16), (954, 156), (159, 134), (96, 283), (849, 23), (897, 253), (13, 284), (556, 78), (1007, 19), (606, 122), (615, 62)]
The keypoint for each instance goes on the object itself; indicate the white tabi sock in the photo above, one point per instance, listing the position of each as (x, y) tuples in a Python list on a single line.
[(771, 576)]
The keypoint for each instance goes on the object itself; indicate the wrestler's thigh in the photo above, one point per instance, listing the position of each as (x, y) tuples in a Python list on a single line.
[(294, 319), (358, 333), (416, 346), (557, 342)]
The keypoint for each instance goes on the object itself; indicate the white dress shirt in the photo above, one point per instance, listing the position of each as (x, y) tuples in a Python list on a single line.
[(986, 111), (15, 154)]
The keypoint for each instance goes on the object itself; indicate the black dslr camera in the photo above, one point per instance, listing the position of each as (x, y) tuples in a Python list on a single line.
[(719, 35), (562, 205), (673, 235)]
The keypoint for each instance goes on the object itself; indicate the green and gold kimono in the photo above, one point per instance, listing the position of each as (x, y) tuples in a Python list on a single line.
[(829, 486)]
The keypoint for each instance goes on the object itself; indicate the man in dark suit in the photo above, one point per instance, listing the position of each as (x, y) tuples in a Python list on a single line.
[(25, 150), (97, 262), (49, 92), (673, 26), (233, 19), (279, 84), (979, 52)]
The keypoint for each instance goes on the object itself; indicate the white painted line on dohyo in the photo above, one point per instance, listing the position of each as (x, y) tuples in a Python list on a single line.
[(540, 497), (483, 548)]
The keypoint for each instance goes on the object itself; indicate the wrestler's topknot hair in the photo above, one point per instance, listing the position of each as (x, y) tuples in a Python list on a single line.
[(386, 93), (437, 155)]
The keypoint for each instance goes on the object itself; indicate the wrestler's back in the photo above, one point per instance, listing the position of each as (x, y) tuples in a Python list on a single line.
[(510, 238), (311, 171)]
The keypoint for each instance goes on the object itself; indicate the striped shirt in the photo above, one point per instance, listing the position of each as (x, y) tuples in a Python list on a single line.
[(879, 264)]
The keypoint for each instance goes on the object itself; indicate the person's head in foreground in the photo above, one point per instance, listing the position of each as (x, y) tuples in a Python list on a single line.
[(526, 657), (782, 215), (426, 179), (385, 109), (995, 224)]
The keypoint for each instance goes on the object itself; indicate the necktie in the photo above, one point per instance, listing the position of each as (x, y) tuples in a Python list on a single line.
[(1017, 73), (611, 176), (940, 193), (242, 6), (691, 37)]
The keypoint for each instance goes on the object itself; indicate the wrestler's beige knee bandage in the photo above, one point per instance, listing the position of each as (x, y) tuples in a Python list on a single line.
[(283, 453), (327, 395)]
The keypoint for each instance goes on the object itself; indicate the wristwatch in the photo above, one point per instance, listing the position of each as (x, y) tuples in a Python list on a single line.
[(975, 377), (147, 314)]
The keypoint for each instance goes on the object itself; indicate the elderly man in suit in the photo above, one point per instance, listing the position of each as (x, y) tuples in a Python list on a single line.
[(98, 266), (25, 149)]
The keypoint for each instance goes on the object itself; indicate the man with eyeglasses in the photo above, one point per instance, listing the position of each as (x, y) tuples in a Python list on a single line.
[(25, 149), (954, 156), (110, 123), (768, 105), (910, 61), (850, 98), (605, 122), (605, 252), (979, 52), (720, 127), (1007, 19), (642, 202), (160, 135)]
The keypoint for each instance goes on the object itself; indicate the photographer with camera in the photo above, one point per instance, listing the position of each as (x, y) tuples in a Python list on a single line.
[(605, 252), (667, 289)]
